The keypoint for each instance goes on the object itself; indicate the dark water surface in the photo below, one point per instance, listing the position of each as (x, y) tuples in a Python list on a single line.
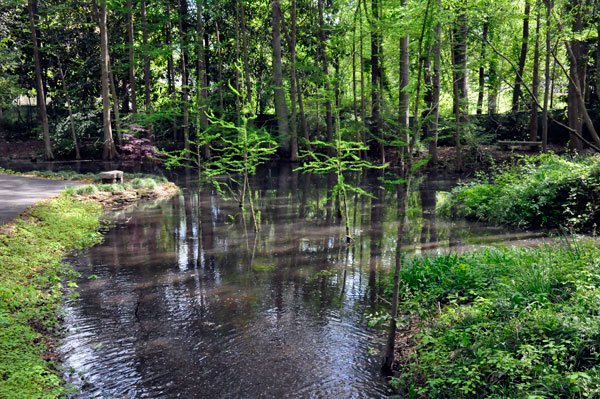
[(183, 300)]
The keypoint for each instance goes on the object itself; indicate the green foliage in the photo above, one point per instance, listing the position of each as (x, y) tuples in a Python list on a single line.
[(237, 150), (88, 129), (504, 323), (539, 191), (31, 285), (339, 157)]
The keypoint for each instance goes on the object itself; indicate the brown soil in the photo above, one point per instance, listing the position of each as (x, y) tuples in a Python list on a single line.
[(29, 149)]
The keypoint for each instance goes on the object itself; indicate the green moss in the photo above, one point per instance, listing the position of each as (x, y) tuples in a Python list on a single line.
[(504, 323), (31, 282)]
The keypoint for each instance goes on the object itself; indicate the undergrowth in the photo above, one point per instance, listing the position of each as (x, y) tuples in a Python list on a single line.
[(539, 191), (32, 278), (504, 323)]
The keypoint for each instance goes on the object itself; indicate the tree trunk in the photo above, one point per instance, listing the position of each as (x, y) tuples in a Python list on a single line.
[(245, 52), (486, 25), (363, 105), (184, 74), (577, 72), (113, 93), (403, 97), (325, 68), (41, 97), (522, 59), (437, 62), (294, 88), (147, 100), (69, 107), (461, 98), (171, 69), (130, 38), (220, 62), (202, 83), (278, 92), (110, 151), (546, 76), (375, 74), (533, 124)]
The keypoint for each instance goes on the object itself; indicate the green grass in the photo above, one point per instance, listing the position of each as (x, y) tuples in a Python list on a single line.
[(32, 281), (540, 191), (137, 183), (504, 323)]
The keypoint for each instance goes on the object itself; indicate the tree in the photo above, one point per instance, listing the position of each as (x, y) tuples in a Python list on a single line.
[(41, 96), (132, 84), (522, 58), (278, 92), (110, 151)]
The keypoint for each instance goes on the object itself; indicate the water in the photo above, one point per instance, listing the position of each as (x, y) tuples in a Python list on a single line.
[(183, 300)]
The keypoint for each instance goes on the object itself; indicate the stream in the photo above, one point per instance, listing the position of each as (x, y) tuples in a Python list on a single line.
[(183, 300)]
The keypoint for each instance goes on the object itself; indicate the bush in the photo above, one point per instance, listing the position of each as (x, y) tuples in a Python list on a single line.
[(505, 323), (540, 191)]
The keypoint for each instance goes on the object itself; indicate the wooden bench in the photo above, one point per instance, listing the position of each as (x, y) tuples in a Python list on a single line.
[(528, 145), (111, 176)]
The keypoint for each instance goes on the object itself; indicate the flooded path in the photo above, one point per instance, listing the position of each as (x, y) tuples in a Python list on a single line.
[(183, 300)]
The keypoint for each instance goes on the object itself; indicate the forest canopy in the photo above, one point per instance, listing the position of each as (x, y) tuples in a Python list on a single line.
[(395, 75)]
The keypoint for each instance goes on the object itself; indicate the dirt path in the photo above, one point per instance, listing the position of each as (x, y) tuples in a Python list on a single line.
[(18, 193)]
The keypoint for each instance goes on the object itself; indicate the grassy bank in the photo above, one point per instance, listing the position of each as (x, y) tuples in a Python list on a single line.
[(538, 191), (503, 323), (32, 279)]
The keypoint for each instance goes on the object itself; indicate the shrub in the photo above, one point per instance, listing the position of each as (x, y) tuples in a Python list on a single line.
[(505, 323), (540, 191)]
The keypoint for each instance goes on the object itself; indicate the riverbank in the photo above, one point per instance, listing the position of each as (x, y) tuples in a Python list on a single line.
[(501, 323), (34, 280)]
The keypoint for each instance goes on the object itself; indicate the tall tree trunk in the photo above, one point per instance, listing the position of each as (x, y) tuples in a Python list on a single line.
[(41, 97), (486, 25), (115, 102), (598, 53), (130, 38), (461, 98), (110, 151), (533, 124), (577, 72), (377, 127), (69, 107), (184, 74), (522, 58), (354, 102), (171, 68), (220, 72), (147, 99), (437, 63), (202, 84), (278, 92), (325, 68), (294, 88), (245, 52), (363, 105), (403, 97), (547, 76)]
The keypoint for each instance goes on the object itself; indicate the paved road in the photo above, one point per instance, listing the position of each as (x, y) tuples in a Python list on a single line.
[(18, 193)]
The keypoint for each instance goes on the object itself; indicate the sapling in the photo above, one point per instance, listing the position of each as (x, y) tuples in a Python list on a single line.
[(345, 157), (238, 149)]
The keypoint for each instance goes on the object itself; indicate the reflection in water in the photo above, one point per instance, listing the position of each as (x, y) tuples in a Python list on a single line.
[(183, 299)]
